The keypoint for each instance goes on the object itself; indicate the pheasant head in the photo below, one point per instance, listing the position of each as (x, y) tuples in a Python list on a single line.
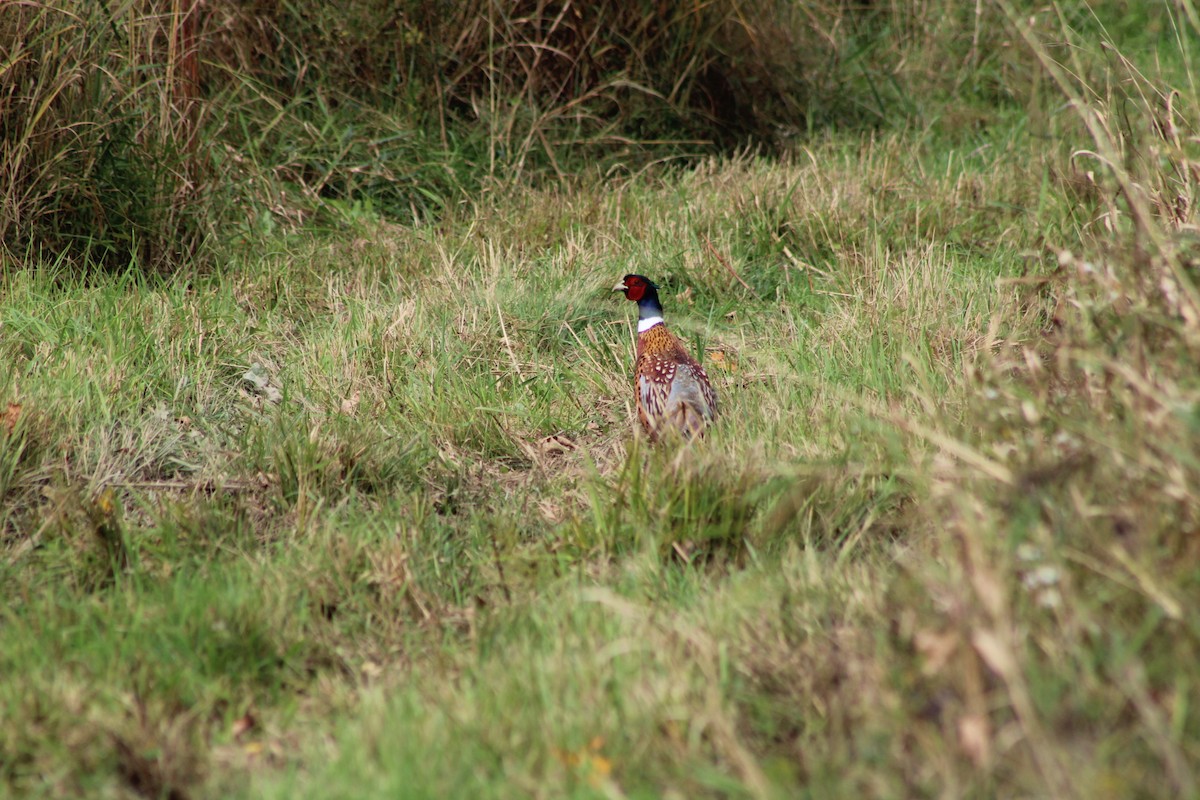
[(673, 393)]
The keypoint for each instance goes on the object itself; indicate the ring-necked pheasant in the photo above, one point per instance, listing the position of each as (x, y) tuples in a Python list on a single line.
[(673, 392)]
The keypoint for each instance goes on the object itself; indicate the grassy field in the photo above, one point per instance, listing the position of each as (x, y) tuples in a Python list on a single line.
[(361, 512)]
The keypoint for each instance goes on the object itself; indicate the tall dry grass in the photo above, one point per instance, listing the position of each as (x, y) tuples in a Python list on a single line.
[(135, 130), (101, 133)]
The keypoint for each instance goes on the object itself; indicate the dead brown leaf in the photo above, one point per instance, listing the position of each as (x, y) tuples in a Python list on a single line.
[(995, 653), (936, 648), (555, 445), (975, 739), (719, 359), (8, 421), (243, 725)]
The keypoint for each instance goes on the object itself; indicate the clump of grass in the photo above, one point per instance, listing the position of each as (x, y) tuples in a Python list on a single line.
[(538, 77), (405, 107), (102, 155), (138, 135)]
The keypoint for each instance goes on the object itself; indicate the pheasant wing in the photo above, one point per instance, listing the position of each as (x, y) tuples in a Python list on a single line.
[(654, 381), (691, 387)]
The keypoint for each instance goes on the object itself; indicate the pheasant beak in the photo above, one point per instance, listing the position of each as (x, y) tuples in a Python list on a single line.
[(620, 287)]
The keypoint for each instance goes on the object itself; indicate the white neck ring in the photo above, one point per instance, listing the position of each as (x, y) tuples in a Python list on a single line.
[(648, 323)]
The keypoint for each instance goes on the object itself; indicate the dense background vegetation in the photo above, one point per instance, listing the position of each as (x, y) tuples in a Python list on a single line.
[(316, 468)]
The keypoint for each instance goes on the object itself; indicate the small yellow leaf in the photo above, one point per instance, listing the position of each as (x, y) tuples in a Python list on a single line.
[(105, 504), (601, 768)]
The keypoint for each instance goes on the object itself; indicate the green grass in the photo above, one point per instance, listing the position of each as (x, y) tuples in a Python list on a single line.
[(363, 513)]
